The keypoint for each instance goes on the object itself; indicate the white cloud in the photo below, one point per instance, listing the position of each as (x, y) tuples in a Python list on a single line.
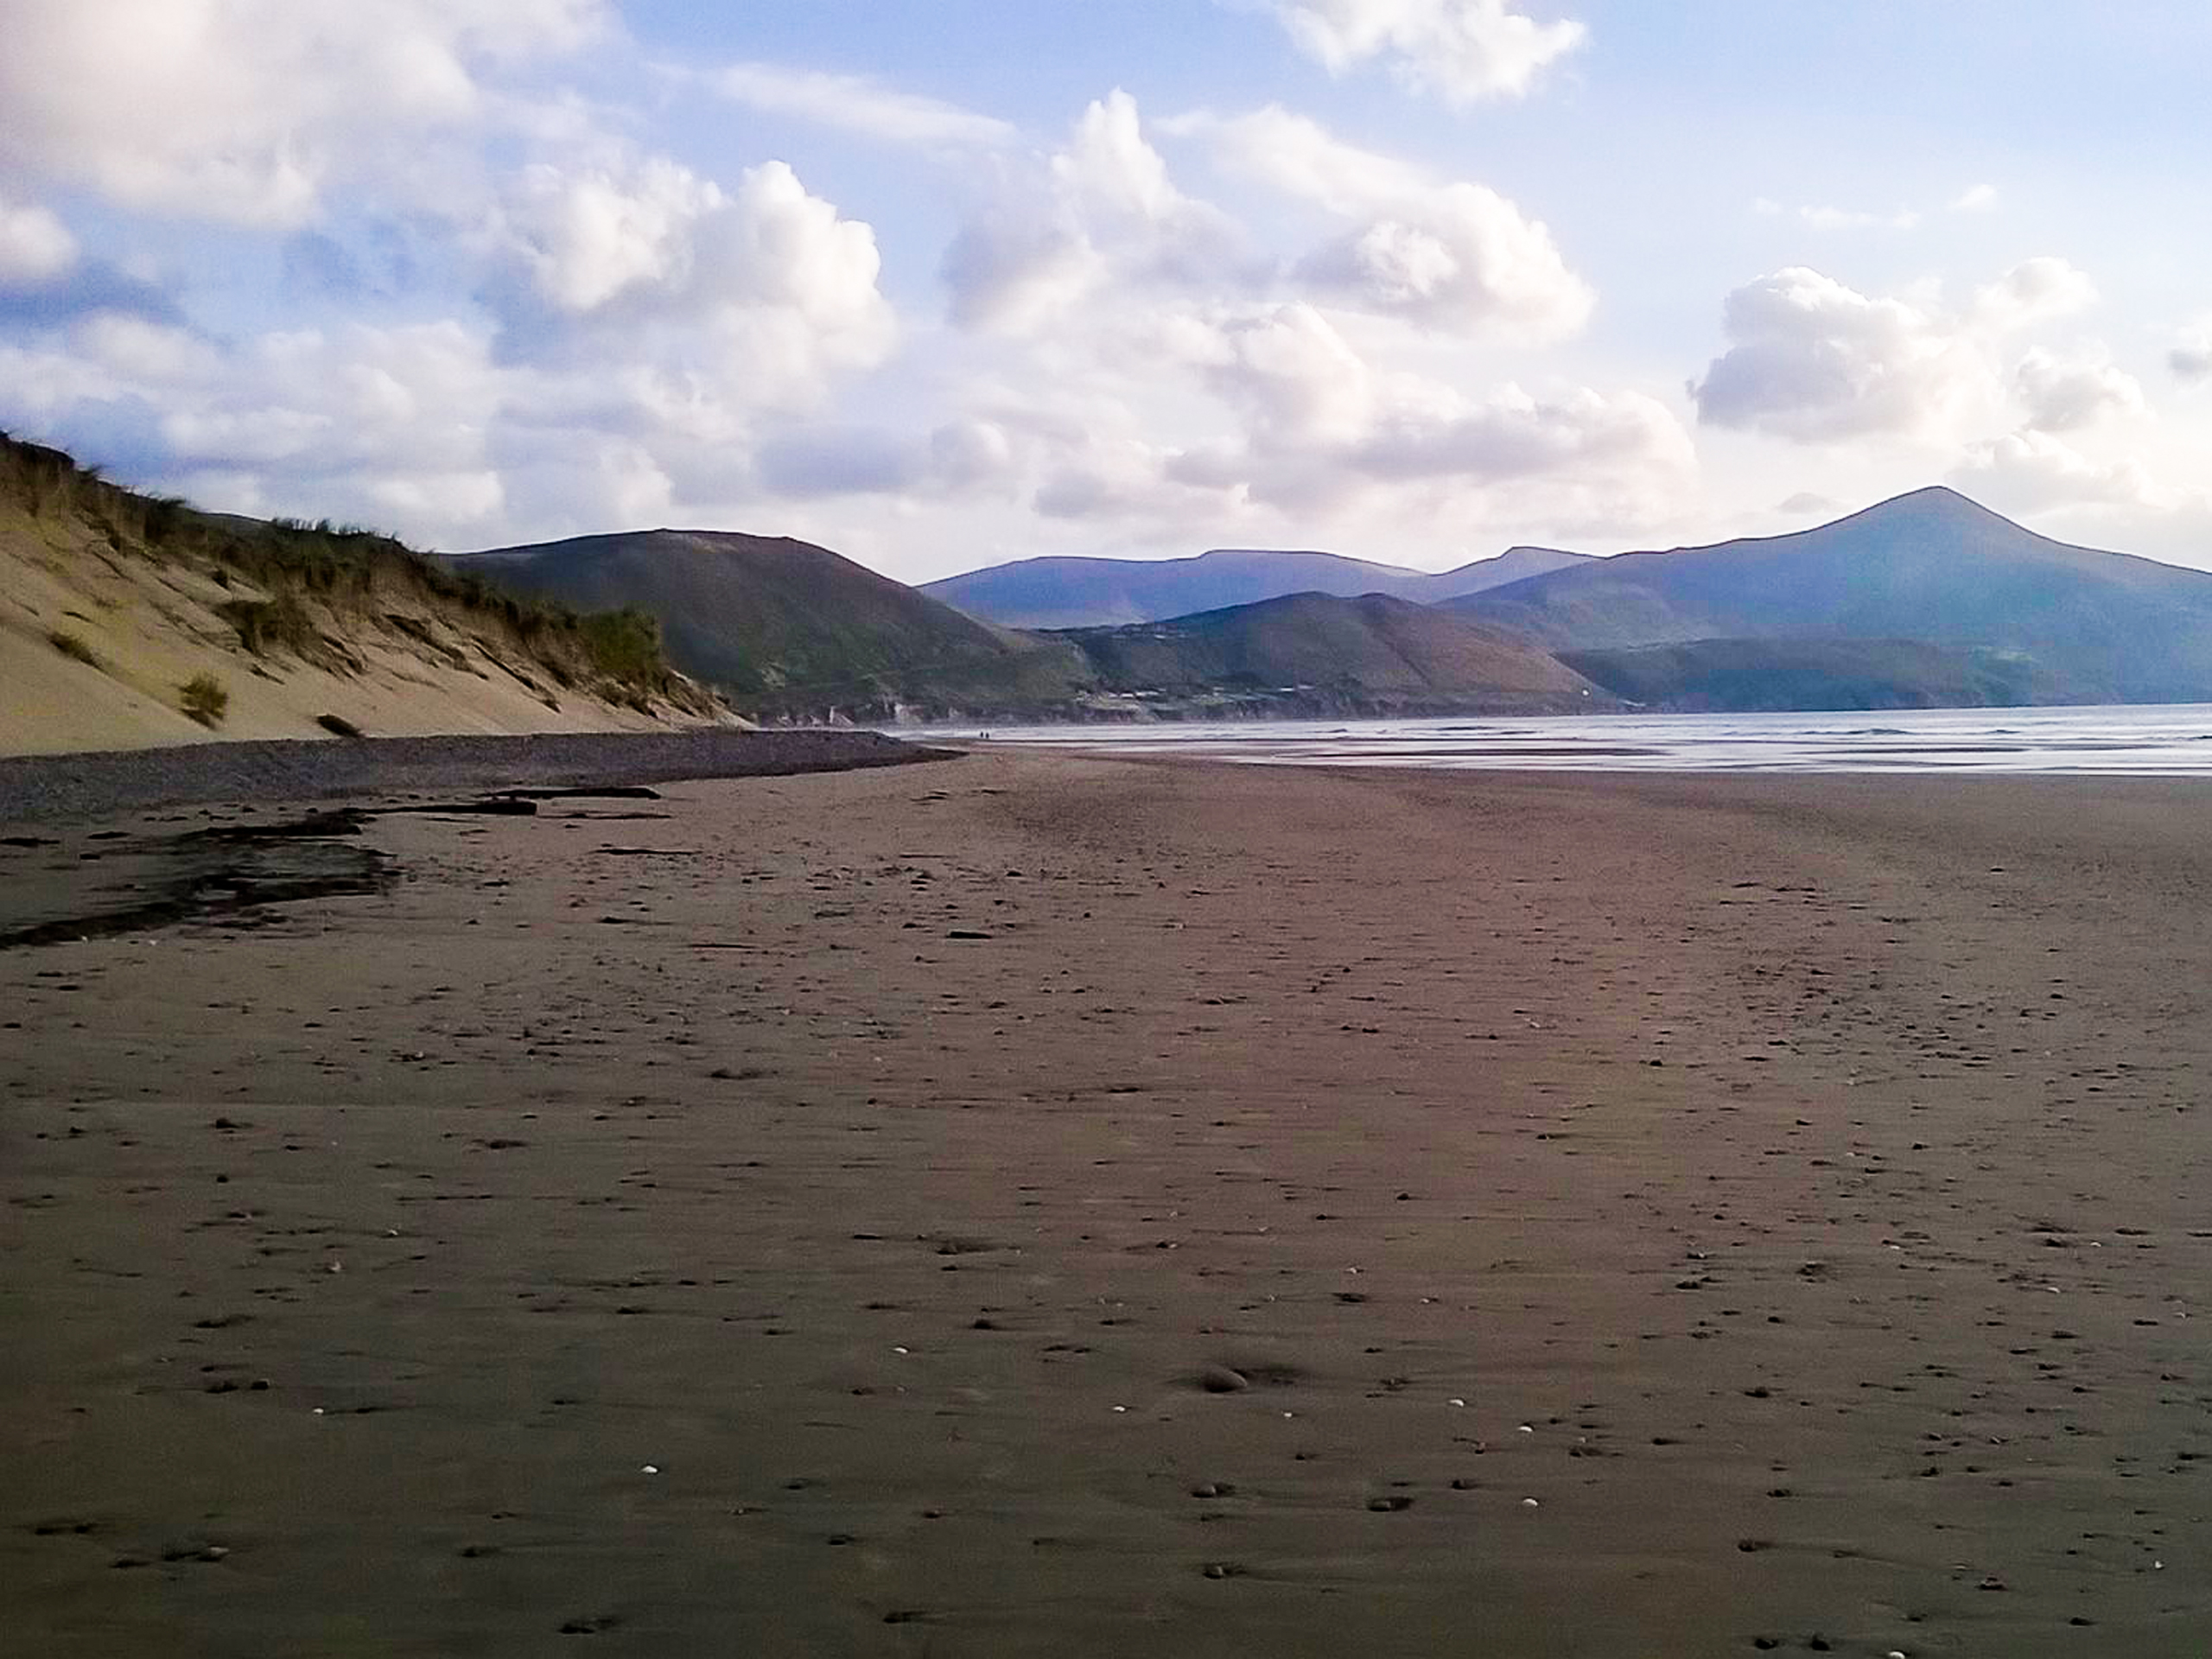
[(1449, 255), (1838, 218), (2066, 394), (1298, 157), (373, 424), (1812, 359), (2191, 356), (1110, 166), (1150, 370), (1810, 502), (245, 110), (958, 458), (144, 351), (2034, 291), (1015, 272), (36, 246), (1103, 214), (1323, 431), (1464, 49), (587, 237), (755, 296), (1978, 200), (373, 404), (2031, 471), (859, 104)]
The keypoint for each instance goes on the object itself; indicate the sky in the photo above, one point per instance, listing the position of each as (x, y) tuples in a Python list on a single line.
[(941, 283)]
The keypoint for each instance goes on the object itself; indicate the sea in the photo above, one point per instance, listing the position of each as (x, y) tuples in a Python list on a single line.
[(2161, 740)]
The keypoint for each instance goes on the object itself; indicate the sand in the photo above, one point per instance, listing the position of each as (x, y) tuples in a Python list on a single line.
[(144, 627), (1040, 1205)]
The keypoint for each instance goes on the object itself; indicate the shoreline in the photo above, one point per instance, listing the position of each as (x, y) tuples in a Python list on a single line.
[(112, 783), (1114, 1205)]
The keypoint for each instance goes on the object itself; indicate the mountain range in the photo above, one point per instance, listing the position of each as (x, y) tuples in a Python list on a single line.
[(2076, 625), (1927, 600), (790, 630), (1077, 593), (132, 619), (1317, 654)]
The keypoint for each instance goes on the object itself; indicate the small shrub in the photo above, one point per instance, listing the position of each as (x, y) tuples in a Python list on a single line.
[(70, 644), (166, 517), (204, 698), (624, 645), (339, 726), (278, 624)]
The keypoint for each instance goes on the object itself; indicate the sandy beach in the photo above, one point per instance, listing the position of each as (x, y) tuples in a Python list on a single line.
[(1031, 1204)]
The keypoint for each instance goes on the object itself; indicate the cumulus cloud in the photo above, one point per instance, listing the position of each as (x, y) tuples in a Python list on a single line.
[(629, 338), (2031, 471), (36, 246), (1323, 429), (1809, 501), (645, 328), (87, 288), (859, 104), (2191, 359), (2034, 291), (1465, 50), (1446, 254), (1838, 218), (587, 237), (245, 110), (759, 291), (1978, 200), (1812, 359), (955, 459), (1103, 212), (385, 425), (2066, 394), (1155, 371)]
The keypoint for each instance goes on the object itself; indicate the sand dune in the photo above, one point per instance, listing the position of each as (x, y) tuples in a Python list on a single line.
[(111, 602)]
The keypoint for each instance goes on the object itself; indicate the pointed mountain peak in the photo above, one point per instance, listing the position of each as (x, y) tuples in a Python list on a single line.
[(1937, 503)]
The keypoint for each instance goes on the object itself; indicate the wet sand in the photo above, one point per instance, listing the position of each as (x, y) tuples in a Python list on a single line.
[(1031, 1205)]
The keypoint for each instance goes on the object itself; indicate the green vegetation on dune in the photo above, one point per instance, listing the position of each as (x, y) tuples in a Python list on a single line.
[(311, 592)]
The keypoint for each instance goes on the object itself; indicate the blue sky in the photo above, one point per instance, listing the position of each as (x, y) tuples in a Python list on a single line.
[(942, 284)]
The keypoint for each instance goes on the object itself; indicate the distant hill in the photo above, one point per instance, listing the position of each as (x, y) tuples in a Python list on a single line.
[(1317, 654), (788, 630), (1073, 593), (1749, 675), (129, 620), (2074, 624), (784, 629)]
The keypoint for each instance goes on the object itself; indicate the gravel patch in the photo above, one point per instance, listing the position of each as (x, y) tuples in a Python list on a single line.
[(86, 788)]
